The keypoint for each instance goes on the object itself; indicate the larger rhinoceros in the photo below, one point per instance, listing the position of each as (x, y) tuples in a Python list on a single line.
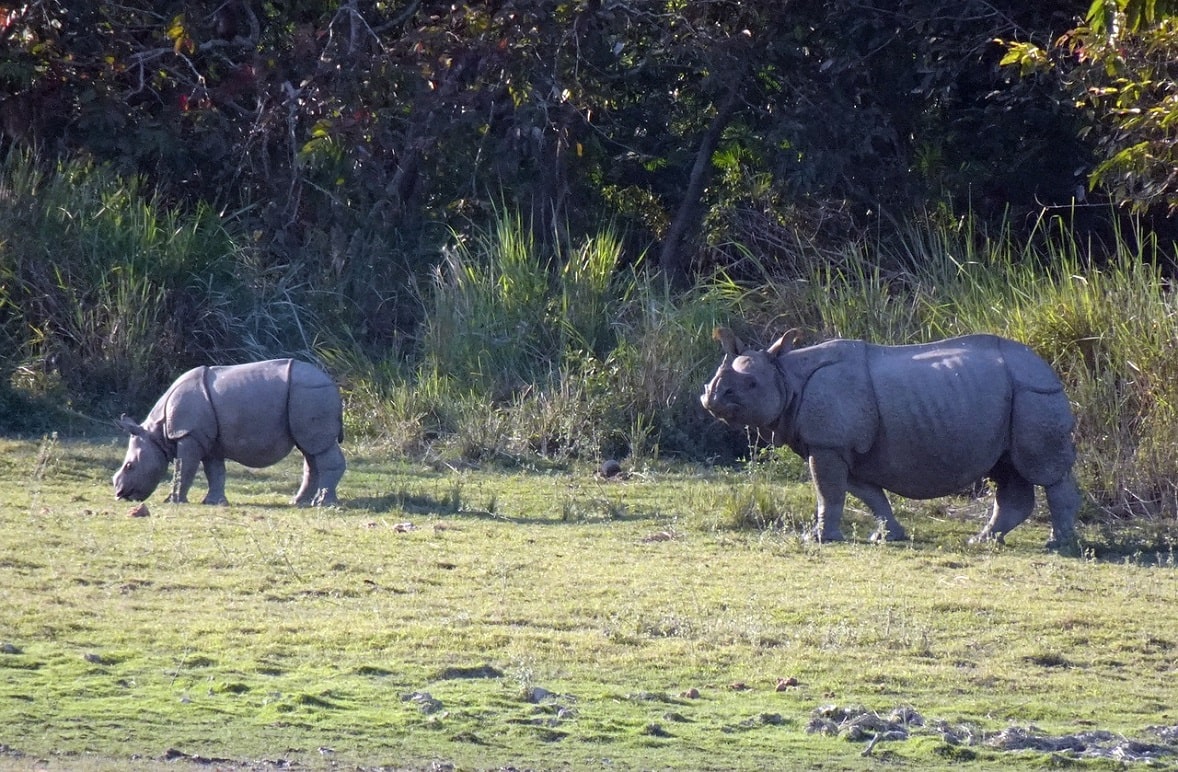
[(921, 421), (254, 414)]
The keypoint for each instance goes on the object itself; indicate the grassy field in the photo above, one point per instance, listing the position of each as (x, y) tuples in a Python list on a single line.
[(551, 619)]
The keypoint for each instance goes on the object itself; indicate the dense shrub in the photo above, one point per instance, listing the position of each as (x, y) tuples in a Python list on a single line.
[(107, 293)]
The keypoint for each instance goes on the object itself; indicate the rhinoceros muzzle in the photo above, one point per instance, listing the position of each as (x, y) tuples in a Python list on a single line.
[(126, 488), (124, 494)]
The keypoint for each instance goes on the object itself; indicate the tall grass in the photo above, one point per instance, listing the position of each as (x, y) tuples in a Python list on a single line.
[(487, 322), (576, 353), (107, 292), (1106, 320)]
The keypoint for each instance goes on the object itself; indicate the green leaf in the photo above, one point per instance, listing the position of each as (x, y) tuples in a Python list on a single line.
[(1102, 15)]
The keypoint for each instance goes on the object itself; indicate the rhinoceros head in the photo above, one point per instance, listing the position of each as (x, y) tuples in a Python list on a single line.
[(143, 466), (748, 389)]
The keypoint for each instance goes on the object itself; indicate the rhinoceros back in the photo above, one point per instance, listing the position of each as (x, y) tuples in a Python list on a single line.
[(944, 414), (264, 409)]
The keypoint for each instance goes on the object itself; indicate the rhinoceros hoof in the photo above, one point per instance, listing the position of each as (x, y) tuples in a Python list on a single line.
[(322, 498), (1069, 545), (883, 535)]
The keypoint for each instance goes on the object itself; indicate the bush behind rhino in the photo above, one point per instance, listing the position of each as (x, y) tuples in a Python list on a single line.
[(108, 292)]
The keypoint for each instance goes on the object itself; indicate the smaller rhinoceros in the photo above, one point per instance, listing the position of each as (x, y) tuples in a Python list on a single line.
[(254, 414), (922, 421)]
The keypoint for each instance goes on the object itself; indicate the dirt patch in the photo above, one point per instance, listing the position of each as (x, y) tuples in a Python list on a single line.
[(857, 724)]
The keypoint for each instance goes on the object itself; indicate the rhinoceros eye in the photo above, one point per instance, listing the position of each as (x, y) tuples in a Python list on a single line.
[(127, 467)]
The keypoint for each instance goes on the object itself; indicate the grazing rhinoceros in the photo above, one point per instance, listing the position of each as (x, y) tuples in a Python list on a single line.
[(921, 421), (254, 414)]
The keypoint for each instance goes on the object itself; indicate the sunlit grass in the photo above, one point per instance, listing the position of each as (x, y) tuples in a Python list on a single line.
[(418, 621)]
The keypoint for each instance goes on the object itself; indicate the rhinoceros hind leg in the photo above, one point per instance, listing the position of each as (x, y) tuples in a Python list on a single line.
[(1014, 499), (215, 474), (321, 474), (889, 528), (310, 485), (1063, 499)]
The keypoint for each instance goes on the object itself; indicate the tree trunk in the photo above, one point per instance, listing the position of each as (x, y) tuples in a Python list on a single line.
[(672, 257)]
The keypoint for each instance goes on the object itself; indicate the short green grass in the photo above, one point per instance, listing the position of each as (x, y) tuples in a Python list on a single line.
[(545, 619)]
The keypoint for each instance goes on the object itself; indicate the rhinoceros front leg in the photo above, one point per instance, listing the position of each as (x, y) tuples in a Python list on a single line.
[(215, 473), (188, 453), (829, 473), (187, 461), (877, 501)]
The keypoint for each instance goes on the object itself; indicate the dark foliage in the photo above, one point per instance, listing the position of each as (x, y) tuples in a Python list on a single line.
[(349, 139)]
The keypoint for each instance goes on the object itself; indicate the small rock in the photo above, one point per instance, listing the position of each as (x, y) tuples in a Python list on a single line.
[(424, 700), (537, 694), (906, 714), (690, 694), (9, 648), (139, 510), (739, 686)]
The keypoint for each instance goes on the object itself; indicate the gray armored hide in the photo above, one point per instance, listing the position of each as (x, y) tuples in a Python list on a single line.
[(921, 421), (254, 414)]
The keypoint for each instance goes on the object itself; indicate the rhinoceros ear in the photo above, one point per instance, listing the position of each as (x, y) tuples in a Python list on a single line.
[(785, 343), (129, 426), (727, 339)]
